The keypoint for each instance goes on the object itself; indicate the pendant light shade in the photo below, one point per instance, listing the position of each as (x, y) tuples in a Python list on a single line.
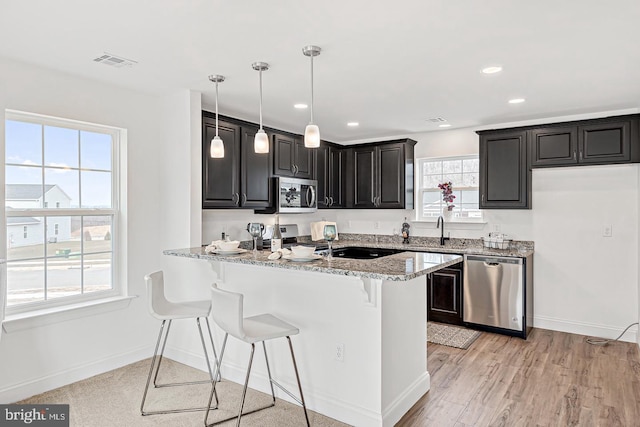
[(261, 141), (312, 132), (312, 136), (217, 146)]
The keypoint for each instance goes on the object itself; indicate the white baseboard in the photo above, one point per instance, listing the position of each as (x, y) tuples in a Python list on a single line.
[(16, 392), (583, 328), (396, 410), (315, 400)]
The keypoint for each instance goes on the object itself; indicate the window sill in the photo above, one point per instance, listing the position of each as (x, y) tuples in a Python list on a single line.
[(48, 316), (451, 225)]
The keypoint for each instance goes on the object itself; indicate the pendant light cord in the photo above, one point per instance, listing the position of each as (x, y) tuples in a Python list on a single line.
[(311, 89), (216, 108), (260, 98)]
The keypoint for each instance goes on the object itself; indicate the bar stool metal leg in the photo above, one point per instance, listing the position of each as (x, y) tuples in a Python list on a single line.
[(295, 368), (266, 359), (215, 382), (246, 384), (159, 357)]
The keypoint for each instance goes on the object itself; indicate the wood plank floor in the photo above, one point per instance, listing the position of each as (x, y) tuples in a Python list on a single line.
[(551, 379)]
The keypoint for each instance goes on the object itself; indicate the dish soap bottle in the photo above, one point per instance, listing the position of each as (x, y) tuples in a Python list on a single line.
[(276, 239)]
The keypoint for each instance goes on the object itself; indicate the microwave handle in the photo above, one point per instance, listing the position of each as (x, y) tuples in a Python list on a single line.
[(311, 202)]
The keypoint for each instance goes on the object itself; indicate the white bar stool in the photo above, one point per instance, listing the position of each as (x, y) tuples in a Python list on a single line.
[(161, 308), (228, 314)]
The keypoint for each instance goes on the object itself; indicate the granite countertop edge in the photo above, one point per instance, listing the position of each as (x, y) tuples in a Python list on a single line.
[(349, 268)]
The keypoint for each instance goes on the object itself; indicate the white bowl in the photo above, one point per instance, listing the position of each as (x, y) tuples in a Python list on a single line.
[(302, 251), (228, 246)]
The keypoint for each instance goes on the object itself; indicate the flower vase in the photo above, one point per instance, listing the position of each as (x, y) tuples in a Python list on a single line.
[(447, 214)]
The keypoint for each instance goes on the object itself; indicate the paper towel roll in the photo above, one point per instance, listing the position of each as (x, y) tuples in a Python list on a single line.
[(317, 229)]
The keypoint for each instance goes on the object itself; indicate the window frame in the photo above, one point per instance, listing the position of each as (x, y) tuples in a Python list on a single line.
[(117, 235), (420, 191)]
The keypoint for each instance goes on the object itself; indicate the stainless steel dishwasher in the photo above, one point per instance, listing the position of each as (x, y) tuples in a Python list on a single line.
[(498, 293)]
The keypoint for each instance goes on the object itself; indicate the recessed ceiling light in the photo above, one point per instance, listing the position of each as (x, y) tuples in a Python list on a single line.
[(300, 106), (516, 101), (492, 70), (445, 125), (353, 124)]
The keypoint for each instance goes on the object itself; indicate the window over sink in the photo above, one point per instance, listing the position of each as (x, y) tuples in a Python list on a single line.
[(463, 173)]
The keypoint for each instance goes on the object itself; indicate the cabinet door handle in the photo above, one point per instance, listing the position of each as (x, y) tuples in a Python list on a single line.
[(574, 155), (483, 199), (581, 156), (236, 199), (244, 198), (330, 201)]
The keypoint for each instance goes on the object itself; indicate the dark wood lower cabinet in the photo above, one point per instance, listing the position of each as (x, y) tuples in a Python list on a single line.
[(444, 295)]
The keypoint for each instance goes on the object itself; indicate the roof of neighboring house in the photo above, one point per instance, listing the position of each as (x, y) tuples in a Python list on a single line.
[(17, 220), (27, 191)]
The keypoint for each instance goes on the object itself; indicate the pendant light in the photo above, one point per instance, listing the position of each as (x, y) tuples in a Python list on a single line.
[(311, 132), (261, 141), (217, 146)]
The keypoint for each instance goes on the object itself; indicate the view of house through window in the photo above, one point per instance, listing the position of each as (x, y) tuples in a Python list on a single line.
[(463, 173), (61, 210)]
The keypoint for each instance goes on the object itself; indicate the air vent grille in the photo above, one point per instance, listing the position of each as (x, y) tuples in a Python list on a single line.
[(115, 61), (436, 120)]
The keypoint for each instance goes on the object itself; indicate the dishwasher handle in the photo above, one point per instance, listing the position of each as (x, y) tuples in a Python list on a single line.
[(493, 260)]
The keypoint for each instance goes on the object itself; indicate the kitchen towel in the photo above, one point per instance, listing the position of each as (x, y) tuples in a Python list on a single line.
[(317, 229)]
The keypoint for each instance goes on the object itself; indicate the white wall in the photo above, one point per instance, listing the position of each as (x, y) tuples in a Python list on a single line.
[(44, 357)]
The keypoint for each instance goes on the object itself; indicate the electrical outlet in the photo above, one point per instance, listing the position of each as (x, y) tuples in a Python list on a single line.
[(607, 230), (339, 352), (496, 228), (376, 225), (350, 224)]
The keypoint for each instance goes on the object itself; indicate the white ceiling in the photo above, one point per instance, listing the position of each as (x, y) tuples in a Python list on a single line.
[(388, 65)]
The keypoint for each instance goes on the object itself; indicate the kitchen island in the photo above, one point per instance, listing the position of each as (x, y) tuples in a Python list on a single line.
[(362, 345)]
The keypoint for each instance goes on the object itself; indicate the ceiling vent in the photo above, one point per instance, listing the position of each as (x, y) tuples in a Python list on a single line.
[(114, 61), (437, 120)]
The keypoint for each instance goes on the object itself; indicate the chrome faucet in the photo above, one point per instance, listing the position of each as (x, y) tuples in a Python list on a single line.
[(442, 238)]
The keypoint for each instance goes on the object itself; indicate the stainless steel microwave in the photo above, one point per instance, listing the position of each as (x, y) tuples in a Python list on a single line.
[(293, 195)]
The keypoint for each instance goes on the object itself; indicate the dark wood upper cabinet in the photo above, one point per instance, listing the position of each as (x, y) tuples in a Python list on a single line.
[(291, 157), (382, 175), (444, 295), (372, 175), (608, 142), (364, 190), (505, 178), (255, 170), (221, 177), (588, 142), (242, 178), (329, 172), (337, 172), (553, 146)]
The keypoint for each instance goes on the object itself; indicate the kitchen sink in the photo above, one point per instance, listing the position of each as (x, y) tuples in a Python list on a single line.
[(357, 252)]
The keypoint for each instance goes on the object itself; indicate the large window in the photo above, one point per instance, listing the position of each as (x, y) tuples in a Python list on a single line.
[(61, 203), (462, 172)]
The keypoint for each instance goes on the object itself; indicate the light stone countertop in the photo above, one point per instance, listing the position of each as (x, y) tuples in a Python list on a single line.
[(519, 248), (397, 267)]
